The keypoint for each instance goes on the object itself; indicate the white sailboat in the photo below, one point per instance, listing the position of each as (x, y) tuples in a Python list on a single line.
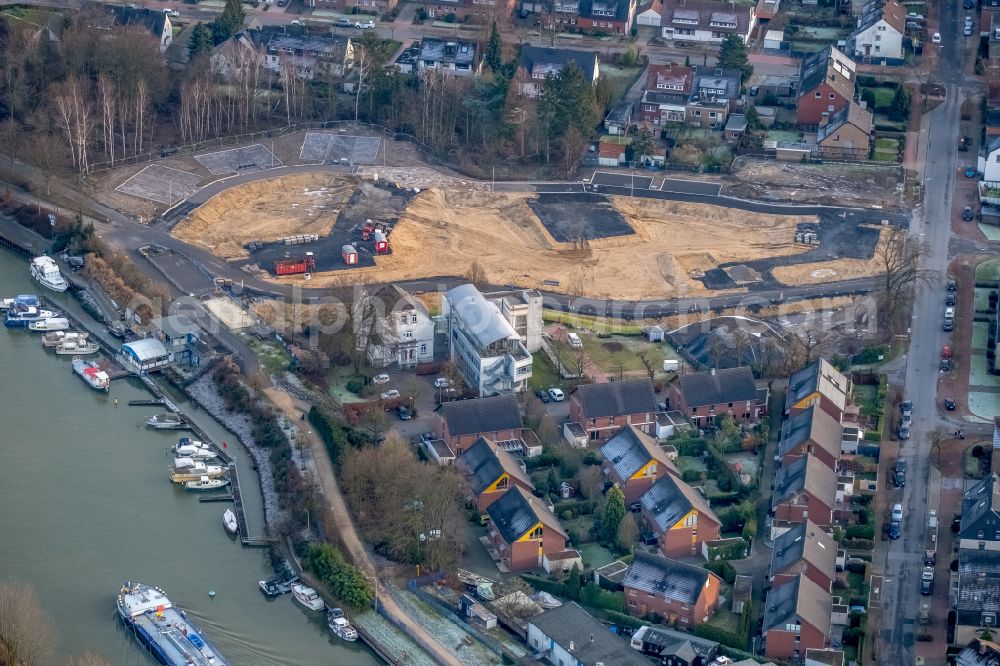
[(229, 521)]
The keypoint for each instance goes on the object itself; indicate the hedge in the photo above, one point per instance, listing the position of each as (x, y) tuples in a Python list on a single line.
[(737, 641), (334, 436), (553, 587), (723, 570), (592, 595), (578, 507), (860, 532)]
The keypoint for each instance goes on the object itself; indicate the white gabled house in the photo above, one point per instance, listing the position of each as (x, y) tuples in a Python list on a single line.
[(404, 336), (989, 161), (880, 31), (706, 21)]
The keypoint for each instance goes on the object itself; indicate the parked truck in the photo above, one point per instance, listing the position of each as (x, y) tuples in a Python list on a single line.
[(930, 539), (295, 266)]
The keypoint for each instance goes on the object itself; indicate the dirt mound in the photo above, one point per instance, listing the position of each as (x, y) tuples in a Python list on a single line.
[(267, 210)]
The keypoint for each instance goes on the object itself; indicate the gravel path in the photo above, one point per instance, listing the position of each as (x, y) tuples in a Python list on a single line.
[(203, 392)]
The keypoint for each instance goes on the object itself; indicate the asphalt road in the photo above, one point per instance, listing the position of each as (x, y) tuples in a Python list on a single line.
[(901, 596)]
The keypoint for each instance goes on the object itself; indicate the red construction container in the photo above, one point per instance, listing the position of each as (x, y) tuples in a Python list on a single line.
[(295, 266), (381, 242), (349, 254)]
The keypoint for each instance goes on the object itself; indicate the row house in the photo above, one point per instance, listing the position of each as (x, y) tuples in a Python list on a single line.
[(681, 519), (826, 85), (703, 396), (804, 549), (568, 635), (821, 384), (611, 16), (460, 423), (880, 33), (682, 595), (979, 527), (706, 21), (459, 58), (805, 488), (305, 55), (797, 617), (814, 432), (665, 95), (490, 471), (976, 597), (633, 461), (477, 11), (523, 530), (603, 409), (846, 134), (347, 6)]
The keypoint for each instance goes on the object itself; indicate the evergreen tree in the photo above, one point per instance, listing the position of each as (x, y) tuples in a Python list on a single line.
[(614, 512), (493, 57), (200, 42), (899, 110), (229, 22), (733, 55)]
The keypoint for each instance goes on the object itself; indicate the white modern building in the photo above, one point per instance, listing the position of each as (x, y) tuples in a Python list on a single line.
[(487, 349), (144, 355), (522, 308), (405, 335)]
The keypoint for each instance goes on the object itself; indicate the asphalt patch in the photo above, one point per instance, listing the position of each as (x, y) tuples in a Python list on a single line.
[(576, 217)]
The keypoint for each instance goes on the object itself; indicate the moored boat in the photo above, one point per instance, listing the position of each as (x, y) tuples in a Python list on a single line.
[(194, 449), (164, 629), (229, 521), (53, 339), (340, 626), (166, 421), (45, 270), (92, 373), (186, 469), (50, 324), (19, 316), (20, 299), (77, 347), (204, 484), (308, 597)]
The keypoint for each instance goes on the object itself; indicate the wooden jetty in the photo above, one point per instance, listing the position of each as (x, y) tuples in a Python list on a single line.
[(215, 498), (145, 403)]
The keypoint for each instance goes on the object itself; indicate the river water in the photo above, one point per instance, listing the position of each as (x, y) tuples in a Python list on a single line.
[(85, 504)]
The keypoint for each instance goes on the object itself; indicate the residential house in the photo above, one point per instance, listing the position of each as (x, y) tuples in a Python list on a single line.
[(665, 95), (538, 62), (476, 11), (980, 524), (703, 396), (610, 154), (819, 383), (979, 652), (826, 85), (736, 129), (880, 32), (715, 93), (846, 134), (674, 648), (633, 461), (404, 337), (607, 16), (679, 517), (649, 12), (989, 160), (804, 549), (976, 599), (683, 595), (458, 57), (497, 418), (307, 55), (805, 488), (153, 21), (706, 21), (347, 6), (523, 530), (811, 431), (490, 471), (522, 308), (767, 10), (797, 617), (568, 635), (487, 350), (602, 409), (619, 119)]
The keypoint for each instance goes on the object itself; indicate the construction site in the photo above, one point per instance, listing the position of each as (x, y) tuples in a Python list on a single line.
[(583, 244)]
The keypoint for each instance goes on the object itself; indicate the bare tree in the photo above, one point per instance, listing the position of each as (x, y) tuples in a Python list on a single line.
[(26, 634), (741, 340), (899, 255), (74, 116), (573, 143), (477, 275), (514, 599), (628, 532), (47, 154), (647, 363), (937, 436), (362, 65), (811, 341)]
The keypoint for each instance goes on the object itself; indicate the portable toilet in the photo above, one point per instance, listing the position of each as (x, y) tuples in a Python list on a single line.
[(350, 255), (381, 242)]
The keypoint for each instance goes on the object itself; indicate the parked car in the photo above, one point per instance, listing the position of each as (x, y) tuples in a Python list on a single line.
[(946, 352), (945, 364), (927, 581), (970, 172), (390, 395), (380, 379), (964, 143), (900, 473), (949, 404), (443, 382), (171, 12), (542, 395), (949, 299), (365, 25), (904, 431), (952, 285), (524, 13), (342, 22), (906, 408), (897, 512), (936, 38), (967, 30), (949, 312), (403, 413), (894, 531), (296, 22), (967, 214), (556, 395), (948, 326)]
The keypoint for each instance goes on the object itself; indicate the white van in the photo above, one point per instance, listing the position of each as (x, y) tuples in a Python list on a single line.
[(574, 340)]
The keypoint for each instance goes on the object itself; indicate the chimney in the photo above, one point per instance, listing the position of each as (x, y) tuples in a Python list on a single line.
[(572, 646), (712, 371), (592, 638)]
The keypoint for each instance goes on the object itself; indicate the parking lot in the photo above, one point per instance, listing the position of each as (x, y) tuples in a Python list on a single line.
[(161, 184), (239, 160), (680, 185)]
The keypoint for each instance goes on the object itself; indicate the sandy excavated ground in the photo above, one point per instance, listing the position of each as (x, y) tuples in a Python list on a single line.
[(444, 232), (834, 270), (829, 184), (267, 210)]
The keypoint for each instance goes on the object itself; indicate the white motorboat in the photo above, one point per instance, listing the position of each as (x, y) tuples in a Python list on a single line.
[(50, 324), (55, 337), (45, 270), (194, 449), (92, 373), (308, 597), (19, 316), (186, 469), (166, 421), (229, 521), (340, 626), (204, 484), (77, 347)]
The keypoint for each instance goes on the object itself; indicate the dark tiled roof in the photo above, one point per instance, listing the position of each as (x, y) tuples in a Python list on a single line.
[(619, 7), (979, 653), (631, 449), (516, 512), (671, 641), (468, 417), (439, 50), (666, 578), (715, 83), (978, 580), (829, 65), (872, 12), (820, 376), (852, 114), (634, 396), (663, 97), (801, 599), (981, 509), (812, 424), (721, 387), (806, 541), (551, 58), (805, 474), (484, 463), (592, 642), (670, 499), (722, 17)]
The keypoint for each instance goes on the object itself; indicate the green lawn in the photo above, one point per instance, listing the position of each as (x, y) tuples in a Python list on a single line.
[(883, 97), (273, 358), (599, 324), (685, 463), (988, 271), (543, 373), (620, 78), (972, 468), (595, 555), (626, 360), (866, 397)]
